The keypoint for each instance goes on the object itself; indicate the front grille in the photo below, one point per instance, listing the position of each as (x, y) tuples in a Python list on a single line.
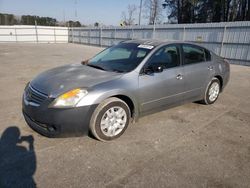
[(35, 96)]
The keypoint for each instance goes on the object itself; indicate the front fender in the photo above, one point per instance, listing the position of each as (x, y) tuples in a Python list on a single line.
[(97, 97)]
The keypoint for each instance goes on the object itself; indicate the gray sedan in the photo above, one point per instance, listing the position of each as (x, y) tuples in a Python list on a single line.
[(120, 84)]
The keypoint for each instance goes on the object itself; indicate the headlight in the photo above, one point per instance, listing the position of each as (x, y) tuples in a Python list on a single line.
[(70, 99)]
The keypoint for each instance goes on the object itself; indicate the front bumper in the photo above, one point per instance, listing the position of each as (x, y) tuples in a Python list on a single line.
[(58, 122)]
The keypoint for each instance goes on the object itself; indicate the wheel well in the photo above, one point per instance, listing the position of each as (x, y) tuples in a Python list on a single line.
[(221, 80), (129, 102)]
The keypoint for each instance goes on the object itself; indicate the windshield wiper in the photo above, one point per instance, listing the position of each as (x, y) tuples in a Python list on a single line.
[(95, 66)]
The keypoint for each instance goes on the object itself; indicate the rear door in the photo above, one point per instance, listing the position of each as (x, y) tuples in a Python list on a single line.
[(198, 69), (157, 90)]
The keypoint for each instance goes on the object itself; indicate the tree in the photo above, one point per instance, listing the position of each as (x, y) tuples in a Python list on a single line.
[(7, 19), (32, 20), (183, 11), (193, 11), (96, 24), (74, 23), (153, 11), (248, 11), (129, 16)]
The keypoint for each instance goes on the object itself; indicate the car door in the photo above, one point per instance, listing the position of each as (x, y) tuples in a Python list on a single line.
[(159, 89), (198, 69)]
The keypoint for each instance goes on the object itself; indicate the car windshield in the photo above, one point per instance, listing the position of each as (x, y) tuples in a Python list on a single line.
[(123, 57)]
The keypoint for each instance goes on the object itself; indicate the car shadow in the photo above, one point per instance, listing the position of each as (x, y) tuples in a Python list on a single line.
[(17, 163)]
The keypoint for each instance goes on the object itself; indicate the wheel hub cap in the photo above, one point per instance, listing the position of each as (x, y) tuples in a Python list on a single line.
[(113, 121), (214, 91)]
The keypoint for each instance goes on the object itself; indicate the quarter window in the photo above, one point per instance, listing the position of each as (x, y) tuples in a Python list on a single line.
[(193, 54), (167, 56), (208, 55)]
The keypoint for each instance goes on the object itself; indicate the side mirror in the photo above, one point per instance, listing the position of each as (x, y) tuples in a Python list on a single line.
[(153, 69), (158, 68), (85, 62)]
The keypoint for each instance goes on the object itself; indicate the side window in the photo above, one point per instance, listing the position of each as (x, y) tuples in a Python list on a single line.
[(193, 54), (168, 56)]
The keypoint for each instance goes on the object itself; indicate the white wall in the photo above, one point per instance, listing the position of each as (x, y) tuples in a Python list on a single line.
[(39, 34)]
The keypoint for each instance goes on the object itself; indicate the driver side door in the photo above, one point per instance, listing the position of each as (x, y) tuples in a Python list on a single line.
[(159, 89)]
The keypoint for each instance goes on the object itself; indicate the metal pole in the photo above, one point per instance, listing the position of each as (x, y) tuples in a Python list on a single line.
[(72, 34), (184, 33), (132, 32), (101, 36), (36, 32), (140, 13), (15, 34), (67, 25), (223, 39), (55, 34), (114, 37), (79, 35), (154, 30), (89, 36)]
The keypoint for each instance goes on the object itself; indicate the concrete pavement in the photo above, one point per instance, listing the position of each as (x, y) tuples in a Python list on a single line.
[(192, 145)]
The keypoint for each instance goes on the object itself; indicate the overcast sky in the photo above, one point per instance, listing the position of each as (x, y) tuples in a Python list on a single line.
[(107, 12)]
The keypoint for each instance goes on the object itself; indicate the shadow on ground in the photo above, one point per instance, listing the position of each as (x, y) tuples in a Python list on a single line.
[(17, 163)]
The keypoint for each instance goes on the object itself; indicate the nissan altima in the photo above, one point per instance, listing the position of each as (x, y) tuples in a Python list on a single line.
[(104, 94)]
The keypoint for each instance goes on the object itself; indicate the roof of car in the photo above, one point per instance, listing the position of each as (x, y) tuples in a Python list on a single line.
[(152, 42), (155, 42)]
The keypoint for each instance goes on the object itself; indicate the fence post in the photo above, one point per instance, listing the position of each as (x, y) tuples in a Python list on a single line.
[(72, 34), (89, 36), (68, 28), (184, 33), (132, 33), (55, 34), (153, 36), (114, 37), (36, 31), (100, 36), (16, 34), (80, 36), (223, 39)]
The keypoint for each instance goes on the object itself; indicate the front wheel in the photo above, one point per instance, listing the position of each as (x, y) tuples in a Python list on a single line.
[(110, 119), (212, 91)]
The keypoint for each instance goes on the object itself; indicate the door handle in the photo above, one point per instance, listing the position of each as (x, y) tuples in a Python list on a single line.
[(210, 67), (179, 77)]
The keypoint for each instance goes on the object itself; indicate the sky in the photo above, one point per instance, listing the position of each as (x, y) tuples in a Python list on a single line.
[(107, 12)]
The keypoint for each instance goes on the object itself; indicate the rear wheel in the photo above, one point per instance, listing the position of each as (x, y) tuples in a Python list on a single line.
[(212, 92), (110, 119)]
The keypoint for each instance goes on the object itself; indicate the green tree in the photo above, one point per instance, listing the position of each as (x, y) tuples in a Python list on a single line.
[(74, 23), (193, 11), (7, 19)]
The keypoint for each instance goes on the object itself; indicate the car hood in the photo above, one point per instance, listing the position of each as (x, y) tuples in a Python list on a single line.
[(61, 79)]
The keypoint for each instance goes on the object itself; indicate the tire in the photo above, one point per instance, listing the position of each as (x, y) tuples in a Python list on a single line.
[(110, 119), (216, 86)]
